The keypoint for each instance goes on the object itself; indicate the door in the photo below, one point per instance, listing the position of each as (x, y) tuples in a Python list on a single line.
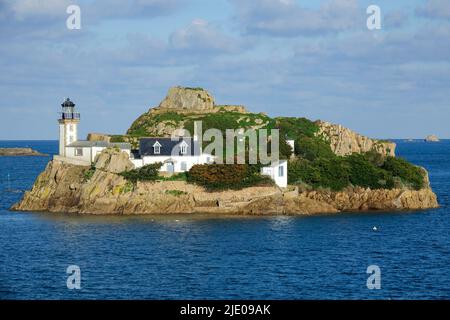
[(170, 167)]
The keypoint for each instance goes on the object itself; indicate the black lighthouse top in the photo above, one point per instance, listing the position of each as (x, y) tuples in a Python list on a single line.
[(68, 111), (67, 103)]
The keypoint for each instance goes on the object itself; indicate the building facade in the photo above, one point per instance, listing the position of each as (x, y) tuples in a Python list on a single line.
[(177, 154), (71, 149)]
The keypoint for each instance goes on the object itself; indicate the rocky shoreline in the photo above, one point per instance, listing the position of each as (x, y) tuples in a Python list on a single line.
[(66, 188), (20, 152)]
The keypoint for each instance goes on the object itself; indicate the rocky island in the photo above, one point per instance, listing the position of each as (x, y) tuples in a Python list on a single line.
[(331, 169), (432, 138), (19, 152)]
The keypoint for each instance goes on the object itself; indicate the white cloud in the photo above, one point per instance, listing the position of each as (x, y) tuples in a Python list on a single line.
[(202, 37), (435, 9), (285, 18)]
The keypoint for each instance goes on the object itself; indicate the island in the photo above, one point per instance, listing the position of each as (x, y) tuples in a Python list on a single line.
[(20, 152), (432, 138), (323, 168)]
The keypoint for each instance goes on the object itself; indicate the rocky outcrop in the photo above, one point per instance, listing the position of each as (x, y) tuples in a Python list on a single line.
[(344, 141), (68, 188), (20, 152), (98, 137), (432, 138), (187, 100), (113, 160)]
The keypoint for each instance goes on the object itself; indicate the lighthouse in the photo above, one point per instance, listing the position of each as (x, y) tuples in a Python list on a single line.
[(68, 126)]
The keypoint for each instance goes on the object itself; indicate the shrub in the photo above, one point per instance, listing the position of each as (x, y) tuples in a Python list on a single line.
[(226, 176), (87, 175), (410, 174), (146, 173), (137, 132), (312, 148), (364, 173), (117, 138), (327, 173), (294, 128)]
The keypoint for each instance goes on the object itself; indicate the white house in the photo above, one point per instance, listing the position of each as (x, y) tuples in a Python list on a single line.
[(277, 171), (176, 154), (72, 150)]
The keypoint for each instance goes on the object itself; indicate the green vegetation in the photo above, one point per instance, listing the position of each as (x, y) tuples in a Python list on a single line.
[(137, 132), (312, 148), (129, 186), (409, 174), (315, 164), (148, 172), (362, 170), (227, 176), (294, 128), (87, 175), (117, 138), (175, 193)]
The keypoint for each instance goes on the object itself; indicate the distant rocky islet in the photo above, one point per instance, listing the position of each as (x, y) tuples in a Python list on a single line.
[(20, 152)]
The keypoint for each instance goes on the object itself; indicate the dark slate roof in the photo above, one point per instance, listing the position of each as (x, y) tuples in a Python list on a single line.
[(167, 145), (67, 103)]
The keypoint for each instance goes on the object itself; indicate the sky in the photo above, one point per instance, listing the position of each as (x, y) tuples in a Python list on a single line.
[(313, 59)]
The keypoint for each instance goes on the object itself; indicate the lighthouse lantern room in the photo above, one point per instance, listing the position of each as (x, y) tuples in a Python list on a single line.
[(68, 126)]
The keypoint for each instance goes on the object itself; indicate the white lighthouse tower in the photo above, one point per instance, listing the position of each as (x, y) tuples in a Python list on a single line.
[(68, 126)]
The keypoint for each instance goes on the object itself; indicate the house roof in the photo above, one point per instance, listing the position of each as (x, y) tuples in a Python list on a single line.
[(168, 146), (101, 144)]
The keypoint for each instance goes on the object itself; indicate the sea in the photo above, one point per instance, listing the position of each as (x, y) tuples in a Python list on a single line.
[(375, 255)]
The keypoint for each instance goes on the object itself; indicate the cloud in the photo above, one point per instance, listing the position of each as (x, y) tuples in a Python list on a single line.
[(345, 74), (43, 9), (200, 36), (435, 9), (395, 19), (285, 18), (123, 9)]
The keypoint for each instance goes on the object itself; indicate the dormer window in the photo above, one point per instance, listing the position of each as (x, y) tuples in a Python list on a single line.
[(157, 148), (183, 147)]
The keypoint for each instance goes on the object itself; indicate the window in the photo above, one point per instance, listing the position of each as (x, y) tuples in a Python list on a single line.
[(71, 127), (156, 148), (79, 152), (280, 171), (70, 139), (183, 148), (183, 166)]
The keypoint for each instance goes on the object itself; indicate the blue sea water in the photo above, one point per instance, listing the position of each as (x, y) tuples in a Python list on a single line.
[(201, 257)]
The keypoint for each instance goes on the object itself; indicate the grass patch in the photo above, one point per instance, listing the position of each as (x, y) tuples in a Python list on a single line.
[(175, 193), (148, 172), (87, 175)]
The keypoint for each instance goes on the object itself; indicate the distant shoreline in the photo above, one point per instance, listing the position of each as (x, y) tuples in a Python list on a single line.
[(20, 152)]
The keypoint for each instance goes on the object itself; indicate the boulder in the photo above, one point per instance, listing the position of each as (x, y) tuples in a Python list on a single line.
[(98, 137), (113, 160), (187, 99)]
